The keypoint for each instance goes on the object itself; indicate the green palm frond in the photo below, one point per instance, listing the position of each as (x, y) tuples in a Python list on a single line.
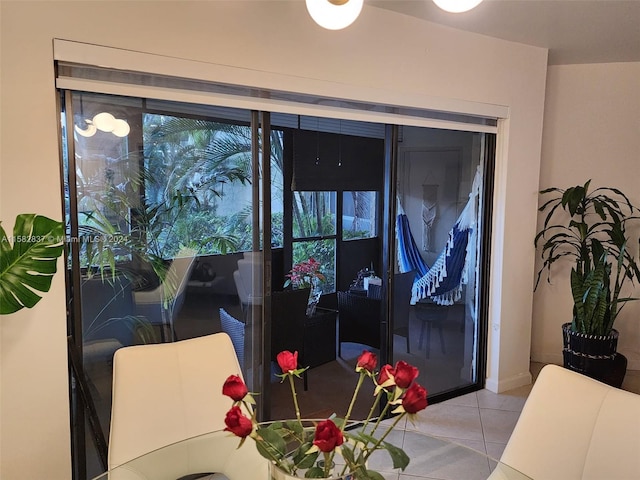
[(28, 266)]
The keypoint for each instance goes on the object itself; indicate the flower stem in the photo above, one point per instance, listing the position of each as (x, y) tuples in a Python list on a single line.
[(380, 417), (353, 400), (346, 417), (380, 440), (295, 398), (328, 462), (376, 402)]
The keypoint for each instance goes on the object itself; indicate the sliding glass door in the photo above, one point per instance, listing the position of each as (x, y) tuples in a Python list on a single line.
[(436, 302), (182, 225), (164, 217)]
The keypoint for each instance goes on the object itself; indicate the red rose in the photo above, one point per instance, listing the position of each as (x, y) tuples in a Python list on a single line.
[(235, 388), (386, 373), (288, 361), (405, 374), (367, 361), (237, 423), (415, 398), (328, 436)]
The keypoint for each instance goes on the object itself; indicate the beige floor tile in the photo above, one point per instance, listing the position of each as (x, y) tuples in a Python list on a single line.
[(512, 400), (468, 400), (451, 421), (497, 425), (477, 445), (445, 460), (494, 450)]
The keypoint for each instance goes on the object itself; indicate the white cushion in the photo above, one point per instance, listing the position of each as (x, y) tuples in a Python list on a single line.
[(169, 392), (573, 427)]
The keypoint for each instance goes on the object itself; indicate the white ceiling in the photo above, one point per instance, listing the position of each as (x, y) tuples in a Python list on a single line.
[(574, 31)]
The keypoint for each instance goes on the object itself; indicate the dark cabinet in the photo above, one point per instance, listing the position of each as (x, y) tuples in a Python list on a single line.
[(319, 337)]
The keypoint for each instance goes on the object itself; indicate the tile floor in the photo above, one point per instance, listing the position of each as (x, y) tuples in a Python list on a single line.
[(482, 421)]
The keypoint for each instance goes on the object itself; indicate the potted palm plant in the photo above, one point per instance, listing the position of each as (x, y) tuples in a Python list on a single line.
[(591, 229)]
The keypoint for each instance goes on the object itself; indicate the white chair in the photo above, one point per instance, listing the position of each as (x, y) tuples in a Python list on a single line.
[(166, 393), (248, 279), (162, 304), (575, 428)]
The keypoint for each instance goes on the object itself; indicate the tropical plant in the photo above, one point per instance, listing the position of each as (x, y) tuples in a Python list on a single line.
[(591, 228), (28, 260)]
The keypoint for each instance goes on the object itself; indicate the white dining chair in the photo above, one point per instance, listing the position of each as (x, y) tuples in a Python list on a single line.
[(248, 280), (166, 393), (162, 304)]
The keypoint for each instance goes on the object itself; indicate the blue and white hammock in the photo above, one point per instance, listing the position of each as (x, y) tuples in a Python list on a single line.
[(443, 281)]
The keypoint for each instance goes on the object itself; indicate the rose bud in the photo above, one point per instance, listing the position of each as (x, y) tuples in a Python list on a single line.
[(235, 388), (415, 398), (405, 374), (386, 374), (288, 361), (328, 436), (237, 423), (367, 361)]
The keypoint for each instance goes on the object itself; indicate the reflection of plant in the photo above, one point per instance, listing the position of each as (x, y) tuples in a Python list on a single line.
[(295, 447), (29, 265), (304, 274), (139, 326)]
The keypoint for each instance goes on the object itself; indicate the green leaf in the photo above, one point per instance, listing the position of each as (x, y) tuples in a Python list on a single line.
[(29, 265), (303, 460), (315, 472), (399, 457), (271, 444), (372, 475)]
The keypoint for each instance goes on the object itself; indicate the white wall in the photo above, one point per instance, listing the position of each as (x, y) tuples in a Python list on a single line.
[(591, 130), (382, 50)]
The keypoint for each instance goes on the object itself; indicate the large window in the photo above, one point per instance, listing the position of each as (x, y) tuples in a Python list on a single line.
[(166, 210), (160, 210), (314, 232), (359, 215)]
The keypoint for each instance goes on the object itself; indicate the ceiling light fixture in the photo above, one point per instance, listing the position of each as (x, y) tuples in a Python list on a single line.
[(334, 14), (104, 122), (457, 6)]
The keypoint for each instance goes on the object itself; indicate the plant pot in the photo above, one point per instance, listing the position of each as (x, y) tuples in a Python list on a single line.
[(276, 473), (314, 298), (594, 355)]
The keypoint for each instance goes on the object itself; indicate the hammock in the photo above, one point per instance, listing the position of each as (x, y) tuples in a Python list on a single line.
[(443, 281)]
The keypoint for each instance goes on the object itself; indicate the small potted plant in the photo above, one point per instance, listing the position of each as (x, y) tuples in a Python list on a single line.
[(307, 275), (590, 228)]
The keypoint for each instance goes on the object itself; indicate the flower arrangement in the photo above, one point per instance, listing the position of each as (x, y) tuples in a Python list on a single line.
[(304, 274), (296, 449)]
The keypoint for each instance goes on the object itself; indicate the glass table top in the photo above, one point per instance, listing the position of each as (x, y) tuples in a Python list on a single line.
[(431, 458)]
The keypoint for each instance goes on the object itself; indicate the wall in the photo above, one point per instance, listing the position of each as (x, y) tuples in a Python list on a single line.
[(591, 130), (384, 51)]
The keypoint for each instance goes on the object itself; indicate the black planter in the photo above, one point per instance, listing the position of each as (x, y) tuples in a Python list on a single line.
[(594, 355)]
